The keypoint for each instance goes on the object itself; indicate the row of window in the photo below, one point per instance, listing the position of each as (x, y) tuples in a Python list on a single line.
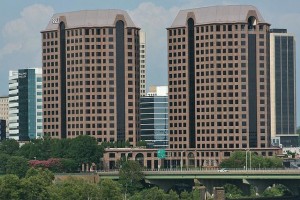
[(214, 28), (213, 146), (214, 80), (212, 36), (88, 31)]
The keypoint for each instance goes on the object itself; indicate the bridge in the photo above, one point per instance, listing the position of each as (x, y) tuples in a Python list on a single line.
[(260, 178), (210, 174)]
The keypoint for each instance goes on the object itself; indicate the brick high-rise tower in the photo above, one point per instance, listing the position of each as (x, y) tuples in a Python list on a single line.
[(219, 71), (91, 76)]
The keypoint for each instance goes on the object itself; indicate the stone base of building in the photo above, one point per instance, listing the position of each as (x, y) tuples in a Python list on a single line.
[(176, 158)]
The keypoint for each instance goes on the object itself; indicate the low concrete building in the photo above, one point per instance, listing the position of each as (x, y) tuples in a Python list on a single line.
[(176, 158)]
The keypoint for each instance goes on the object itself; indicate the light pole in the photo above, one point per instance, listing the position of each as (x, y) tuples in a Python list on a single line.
[(246, 159), (181, 162), (250, 158), (248, 150)]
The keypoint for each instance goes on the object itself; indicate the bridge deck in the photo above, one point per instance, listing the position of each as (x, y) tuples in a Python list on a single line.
[(212, 174)]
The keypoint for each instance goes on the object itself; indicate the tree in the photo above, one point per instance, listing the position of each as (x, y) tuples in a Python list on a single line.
[(10, 187), (17, 165), (110, 189), (153, 194), (232, 191), (60, 147), (185, 196), (46, 175), (69, 165), (277, 191), (26, 151), (73, 188), (173, 195), (35, 186), (130, 176), (196, 194), (9, 147), (238, 160), (84, 149), (34, 150), (3, 161)]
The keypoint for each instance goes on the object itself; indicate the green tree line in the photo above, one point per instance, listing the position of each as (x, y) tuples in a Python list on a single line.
[(39, 184), (238, 160), (70, 152)]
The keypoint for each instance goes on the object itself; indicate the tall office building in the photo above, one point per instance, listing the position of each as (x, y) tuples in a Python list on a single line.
[(25, 104), (219, 94), (154, 117), (4, 110), (142, 63), (91, 76), (283, 88)]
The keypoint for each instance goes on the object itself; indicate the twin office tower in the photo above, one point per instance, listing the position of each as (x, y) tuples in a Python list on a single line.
[(231, 78)]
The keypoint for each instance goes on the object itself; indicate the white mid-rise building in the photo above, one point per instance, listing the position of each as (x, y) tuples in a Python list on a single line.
[(25, 119), (142, 63), (4, 110), (283, 88)]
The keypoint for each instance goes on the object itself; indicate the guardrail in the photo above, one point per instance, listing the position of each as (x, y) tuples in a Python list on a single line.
[(205, 169)]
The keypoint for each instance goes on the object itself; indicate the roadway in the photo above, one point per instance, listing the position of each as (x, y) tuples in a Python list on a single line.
[(211, 174)]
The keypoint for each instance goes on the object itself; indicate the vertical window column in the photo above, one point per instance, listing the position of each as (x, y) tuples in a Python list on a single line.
[(191, 69)]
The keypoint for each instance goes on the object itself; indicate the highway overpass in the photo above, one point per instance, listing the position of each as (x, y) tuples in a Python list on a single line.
[(260, 178)]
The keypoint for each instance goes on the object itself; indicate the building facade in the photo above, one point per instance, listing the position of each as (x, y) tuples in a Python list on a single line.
[(143, 63), (154, 117), (2, 129), (91, 76), (175, 158), (25, 104), (4, 110), (283, 88), (219, 91)]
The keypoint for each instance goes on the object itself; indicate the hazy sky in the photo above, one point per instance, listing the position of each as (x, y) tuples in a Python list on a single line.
[(22, 20)]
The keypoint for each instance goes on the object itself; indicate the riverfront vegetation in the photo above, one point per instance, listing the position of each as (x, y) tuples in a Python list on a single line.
[(68, 155), (238, 160), (27, 173), (57, 155), (39, 184)]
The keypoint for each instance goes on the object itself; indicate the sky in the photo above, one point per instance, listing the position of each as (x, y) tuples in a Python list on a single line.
[(21, 22)]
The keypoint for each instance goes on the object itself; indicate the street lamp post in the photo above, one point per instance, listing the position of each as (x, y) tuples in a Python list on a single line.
[(246, 159), (248, 150), (181, 161), (250, 158)]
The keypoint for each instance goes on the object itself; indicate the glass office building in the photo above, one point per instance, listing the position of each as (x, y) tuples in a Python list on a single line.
[(154, 117), (283, 88), (25, 104)]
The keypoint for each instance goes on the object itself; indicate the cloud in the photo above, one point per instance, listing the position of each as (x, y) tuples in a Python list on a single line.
[(154, 20), (22, 35), (9, 48)]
